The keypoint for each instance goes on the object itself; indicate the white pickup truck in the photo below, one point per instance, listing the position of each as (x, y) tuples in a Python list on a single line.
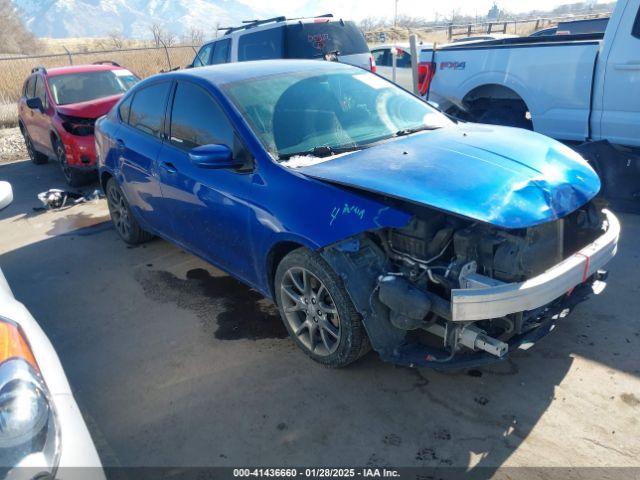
[(583, 89)]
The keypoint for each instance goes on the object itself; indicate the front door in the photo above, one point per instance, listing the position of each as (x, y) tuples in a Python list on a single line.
[(40, 120), (210, 208), (620, 104), (384, 66)]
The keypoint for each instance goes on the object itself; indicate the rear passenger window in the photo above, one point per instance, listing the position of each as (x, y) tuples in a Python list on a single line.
[(125, 108), (202, 58), (221, 52), (147, 108), (261, 45)]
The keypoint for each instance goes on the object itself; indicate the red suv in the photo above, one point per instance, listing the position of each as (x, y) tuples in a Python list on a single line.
[(58, 110)]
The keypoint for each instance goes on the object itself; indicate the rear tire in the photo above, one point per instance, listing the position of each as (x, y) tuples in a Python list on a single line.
[(35, 156), (123, 220), (317, 311), (507, 116)]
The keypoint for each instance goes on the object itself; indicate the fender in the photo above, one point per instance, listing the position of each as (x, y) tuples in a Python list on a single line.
[(316, 225)]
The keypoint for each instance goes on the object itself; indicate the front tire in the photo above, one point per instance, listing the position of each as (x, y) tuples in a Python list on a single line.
[(317, 311), (123, 220), (74, 177)]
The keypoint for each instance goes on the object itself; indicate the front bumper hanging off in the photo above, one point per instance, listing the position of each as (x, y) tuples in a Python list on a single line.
[(497, 301), (559, 289)]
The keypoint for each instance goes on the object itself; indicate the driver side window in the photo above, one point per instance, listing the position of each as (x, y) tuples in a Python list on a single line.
[(30, 86), (197, 119), (40, 92), (381, 57)]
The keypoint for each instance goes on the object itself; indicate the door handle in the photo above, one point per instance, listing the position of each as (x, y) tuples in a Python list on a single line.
[(120, 144), (168, 167), (627, 66)]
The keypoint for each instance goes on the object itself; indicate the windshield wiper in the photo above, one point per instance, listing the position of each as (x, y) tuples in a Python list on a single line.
[(409, 131), (322, 151)]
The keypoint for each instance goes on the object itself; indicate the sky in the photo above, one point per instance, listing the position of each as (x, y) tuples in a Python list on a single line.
[(359, 9)]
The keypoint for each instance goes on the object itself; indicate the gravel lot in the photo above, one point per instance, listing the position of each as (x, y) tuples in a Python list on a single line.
[(11, 145)]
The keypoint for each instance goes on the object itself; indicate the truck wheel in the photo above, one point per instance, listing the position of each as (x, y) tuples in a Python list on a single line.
[(35, 156), (122, 218), (317, 311), (507, 116)]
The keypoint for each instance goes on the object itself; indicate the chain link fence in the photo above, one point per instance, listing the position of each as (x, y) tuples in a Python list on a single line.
[(141, 61), (447, 32)]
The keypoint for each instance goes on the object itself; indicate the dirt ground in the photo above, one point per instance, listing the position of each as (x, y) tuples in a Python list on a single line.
[(175, 364)]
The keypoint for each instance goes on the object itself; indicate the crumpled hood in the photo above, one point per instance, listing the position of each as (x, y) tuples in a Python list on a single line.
[(91, 109), (508, 177)]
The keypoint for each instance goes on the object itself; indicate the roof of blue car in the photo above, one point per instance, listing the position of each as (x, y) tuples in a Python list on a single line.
[(238, 71)]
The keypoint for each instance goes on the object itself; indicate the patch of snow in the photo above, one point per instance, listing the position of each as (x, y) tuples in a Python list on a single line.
[(299, 161)]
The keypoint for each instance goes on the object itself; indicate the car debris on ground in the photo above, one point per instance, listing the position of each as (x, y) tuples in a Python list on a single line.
[(54, 198)]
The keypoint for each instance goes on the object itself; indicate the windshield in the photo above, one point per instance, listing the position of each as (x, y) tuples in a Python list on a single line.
[(297, 113), (82, 87), (312, 40)]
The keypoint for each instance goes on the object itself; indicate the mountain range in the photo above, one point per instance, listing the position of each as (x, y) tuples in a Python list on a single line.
[(129, 18)]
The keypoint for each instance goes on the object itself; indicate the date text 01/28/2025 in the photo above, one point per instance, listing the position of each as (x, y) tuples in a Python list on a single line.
[(315, 472)]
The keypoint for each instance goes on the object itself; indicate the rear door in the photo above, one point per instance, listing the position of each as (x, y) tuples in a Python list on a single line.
[(26, 114), (210, 208), (264, 44), (139, 141), (620, 78)]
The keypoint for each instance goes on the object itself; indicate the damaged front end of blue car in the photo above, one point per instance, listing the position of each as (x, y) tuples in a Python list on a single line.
[(488, 260)]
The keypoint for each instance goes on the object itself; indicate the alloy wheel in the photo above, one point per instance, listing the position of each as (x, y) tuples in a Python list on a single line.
[(310, 311), (119, 212)]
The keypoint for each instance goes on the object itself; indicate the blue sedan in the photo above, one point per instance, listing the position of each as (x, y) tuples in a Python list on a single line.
[(369, 217)]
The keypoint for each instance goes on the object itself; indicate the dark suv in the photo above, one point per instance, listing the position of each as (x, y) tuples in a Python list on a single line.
[(58, 109), (320, 38)]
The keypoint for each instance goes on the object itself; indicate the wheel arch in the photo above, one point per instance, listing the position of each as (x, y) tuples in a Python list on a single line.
[(492, 91), (53, 138), (276, 253), (104, 178), (487, 97)]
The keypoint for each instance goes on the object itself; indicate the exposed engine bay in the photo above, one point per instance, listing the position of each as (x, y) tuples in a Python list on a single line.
[(417, 267)]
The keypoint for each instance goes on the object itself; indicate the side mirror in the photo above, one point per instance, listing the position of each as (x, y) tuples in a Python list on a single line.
[(213, 156), (35, 103), (6, 194)]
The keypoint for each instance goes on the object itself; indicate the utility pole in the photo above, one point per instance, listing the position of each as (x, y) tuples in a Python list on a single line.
[(395, 14)]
